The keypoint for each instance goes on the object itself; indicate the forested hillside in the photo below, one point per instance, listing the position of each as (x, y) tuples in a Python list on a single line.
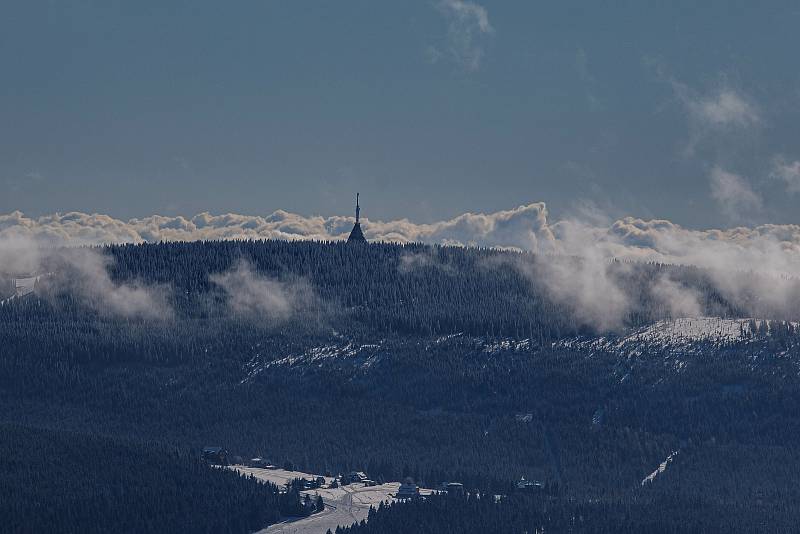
[(654, 512), (444, 364), (385, 288), (78, 483)]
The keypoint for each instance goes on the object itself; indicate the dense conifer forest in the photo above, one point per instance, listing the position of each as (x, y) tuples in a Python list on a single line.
[(79, 483), (660, 513), (439, 363)]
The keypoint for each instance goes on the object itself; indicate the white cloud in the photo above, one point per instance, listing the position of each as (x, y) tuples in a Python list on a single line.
[(679, 301), (82, 271), (467, 26), (789, 173), (89, 275), (526, 227), (716, 117), (733, 194), (587, 281), (724, 108), (262, 298)]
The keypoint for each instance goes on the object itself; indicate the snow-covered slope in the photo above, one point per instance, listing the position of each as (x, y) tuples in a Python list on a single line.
[(675, 335), (338, 351), (676, 340)]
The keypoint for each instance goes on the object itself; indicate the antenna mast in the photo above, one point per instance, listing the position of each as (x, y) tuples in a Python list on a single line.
[(358, 209)]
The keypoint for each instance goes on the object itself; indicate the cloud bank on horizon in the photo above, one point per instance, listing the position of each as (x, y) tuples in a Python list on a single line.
[(767, 248)]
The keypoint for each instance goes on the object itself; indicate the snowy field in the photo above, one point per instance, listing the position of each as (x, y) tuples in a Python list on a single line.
[(343, 505)]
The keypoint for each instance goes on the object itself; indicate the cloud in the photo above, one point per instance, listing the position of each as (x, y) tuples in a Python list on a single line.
[(585, 75), (789, 173), (524, 227), (724, 108), (679, 300), (85, 273), (88, 270), (718, 115), (416, 261), (467, 26), (261, 298), (733, 193), (583, 271)]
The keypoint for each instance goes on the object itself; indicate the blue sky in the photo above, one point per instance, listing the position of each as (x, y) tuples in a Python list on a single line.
[(428, 108)]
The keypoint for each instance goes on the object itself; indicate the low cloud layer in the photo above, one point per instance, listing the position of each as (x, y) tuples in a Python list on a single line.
[(590, 285), (768, 247), (525, 227)]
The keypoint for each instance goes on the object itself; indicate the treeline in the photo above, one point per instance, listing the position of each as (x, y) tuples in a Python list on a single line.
[(6, 288), (651, 512), (381, 288), (74, 483)]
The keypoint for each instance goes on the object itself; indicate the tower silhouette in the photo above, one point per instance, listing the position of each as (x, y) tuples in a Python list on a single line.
[(356, 235)]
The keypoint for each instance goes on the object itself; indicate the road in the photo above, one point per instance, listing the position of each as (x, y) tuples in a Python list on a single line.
[(344, 505)]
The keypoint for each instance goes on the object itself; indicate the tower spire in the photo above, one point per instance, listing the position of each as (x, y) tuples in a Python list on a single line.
[(356, 235)]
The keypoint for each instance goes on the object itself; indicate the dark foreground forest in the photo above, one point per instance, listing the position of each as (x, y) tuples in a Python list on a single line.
[(443, 364), (76, 483)]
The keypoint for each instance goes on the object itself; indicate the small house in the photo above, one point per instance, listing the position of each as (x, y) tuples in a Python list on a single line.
[(215, 455), (354, 476), (407, 490)]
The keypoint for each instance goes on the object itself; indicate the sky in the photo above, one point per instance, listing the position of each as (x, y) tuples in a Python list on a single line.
[(430, 109)]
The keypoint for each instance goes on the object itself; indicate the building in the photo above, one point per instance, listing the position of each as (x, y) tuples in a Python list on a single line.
[(529, 485), (356, 235), (215, 455), (24, 286), (260, 462), (354, 476), (407, 490)]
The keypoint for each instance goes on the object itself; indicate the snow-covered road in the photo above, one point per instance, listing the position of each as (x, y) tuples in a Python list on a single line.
[(344, 505)]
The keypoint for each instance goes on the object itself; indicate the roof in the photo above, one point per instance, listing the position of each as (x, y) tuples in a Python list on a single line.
[(213, 449), (529, 483)]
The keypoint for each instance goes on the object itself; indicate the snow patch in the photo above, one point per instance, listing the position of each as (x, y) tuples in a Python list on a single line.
[(685, 335), (661, 469)]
